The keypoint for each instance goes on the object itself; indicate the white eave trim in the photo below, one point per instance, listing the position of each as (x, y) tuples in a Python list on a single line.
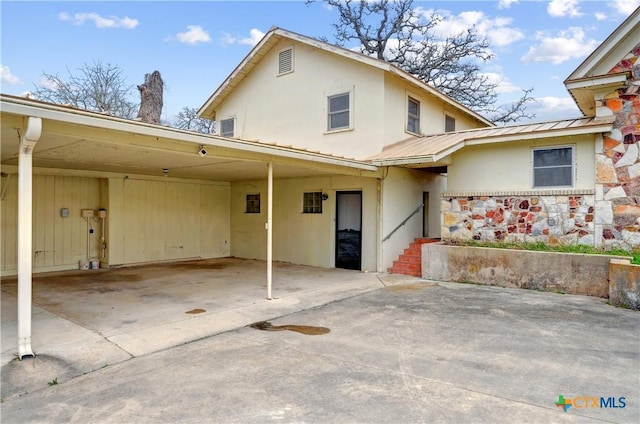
[(85, 118), (597, 82)]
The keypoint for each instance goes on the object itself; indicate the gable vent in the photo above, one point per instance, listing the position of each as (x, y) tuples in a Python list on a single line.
[(285, 61)]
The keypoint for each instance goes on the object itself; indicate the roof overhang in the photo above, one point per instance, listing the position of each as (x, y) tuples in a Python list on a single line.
[(82, 140), (585, 90), (475, 138)]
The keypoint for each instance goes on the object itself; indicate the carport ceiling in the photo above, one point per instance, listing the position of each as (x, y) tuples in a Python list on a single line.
[(71, 146)]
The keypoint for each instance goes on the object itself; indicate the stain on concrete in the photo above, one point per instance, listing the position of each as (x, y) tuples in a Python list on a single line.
[(302, 329), (196, 311)]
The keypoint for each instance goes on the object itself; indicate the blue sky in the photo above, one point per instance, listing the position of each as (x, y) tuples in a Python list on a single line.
[(195, 45)]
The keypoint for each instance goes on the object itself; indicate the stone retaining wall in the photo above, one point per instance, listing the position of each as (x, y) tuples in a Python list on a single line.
[(570, 273), (624, 284)]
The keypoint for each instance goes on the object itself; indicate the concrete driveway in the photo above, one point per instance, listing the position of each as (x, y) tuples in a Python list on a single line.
[(421, 352)]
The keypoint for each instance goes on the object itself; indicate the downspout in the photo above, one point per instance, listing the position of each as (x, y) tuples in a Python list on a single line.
[(269, 228), (28, 142)]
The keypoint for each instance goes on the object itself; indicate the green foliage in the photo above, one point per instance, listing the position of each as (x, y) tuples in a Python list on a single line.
[(53, 382), (540, 246)]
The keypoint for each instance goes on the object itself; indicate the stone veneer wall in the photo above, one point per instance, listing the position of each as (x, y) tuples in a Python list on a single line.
[(608, 217), (561, 217), (618, 162)]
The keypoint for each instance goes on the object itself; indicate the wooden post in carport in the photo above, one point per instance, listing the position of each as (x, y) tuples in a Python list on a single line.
[(28, 142), (269, 228)]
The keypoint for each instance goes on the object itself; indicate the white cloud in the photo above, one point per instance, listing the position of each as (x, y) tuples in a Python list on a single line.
[(503, 84), (569, 44), (624, 7), (99, 21), (600, 16), (255, 35), (505, 4), (7, 77), (560, 8), (48, 83), (553, 108), (498, 30), (194, 35)]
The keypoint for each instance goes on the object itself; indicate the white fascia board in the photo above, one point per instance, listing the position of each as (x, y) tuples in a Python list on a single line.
[(84, 118), (597, 82)]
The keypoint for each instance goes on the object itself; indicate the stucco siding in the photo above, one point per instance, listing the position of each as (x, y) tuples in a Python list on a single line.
[(432, 111), (508, 166), (402, 193), (291, 109)]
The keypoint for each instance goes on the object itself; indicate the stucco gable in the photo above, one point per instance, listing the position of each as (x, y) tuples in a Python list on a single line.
[(275, 35)]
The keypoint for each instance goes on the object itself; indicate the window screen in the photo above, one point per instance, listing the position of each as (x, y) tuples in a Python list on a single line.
[(449, 123), (413, 116), (338, 112), (227, 127), (553, 167), (253, 203)]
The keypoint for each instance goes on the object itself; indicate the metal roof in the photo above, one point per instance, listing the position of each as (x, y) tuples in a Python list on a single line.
[(434, 148)]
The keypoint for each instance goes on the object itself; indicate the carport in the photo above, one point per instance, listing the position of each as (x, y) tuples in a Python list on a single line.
[(40, 139)]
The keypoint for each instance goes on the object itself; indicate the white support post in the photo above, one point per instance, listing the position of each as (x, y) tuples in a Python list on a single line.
[(269, 228), (28, 142)]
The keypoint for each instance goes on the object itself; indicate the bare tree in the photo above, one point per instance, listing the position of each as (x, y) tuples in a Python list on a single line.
[(188, 119), (97, 87), (151, 98), (394, 31)]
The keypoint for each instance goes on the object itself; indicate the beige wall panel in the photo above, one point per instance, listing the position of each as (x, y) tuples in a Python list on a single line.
[(58, 243), (300, 238), (171, 220), (402, 193), (9, 221), (508, 166), (215, 221)]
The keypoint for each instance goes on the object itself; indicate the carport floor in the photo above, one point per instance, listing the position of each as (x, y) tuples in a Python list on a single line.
[(85, 320)]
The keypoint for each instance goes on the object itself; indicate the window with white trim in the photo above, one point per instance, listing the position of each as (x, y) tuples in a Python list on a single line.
[(339, 113), (312, 202), (413, 116), (253, 203), (285, 61), (553, 167), (449, 123), (228, 127)]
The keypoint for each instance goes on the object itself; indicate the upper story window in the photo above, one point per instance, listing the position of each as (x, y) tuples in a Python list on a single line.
[(285, 61), (413, 116), (339, 116), (553, 167), (312, 202), (449, 123), (253, 203), (228, 127)]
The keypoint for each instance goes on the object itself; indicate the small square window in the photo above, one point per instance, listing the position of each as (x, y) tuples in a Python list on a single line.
[(339, 116), (553, 167), (253, 203), (227, 127), (413, 116), (449, 123), (312, 202)]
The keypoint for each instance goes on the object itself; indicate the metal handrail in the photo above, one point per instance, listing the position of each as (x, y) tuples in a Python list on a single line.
[(403, 222)]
